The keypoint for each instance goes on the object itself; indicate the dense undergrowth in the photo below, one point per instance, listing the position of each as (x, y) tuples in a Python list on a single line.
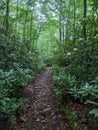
[(75, 69), (76, 80), (19, 64), (75, 77), (35, 33)]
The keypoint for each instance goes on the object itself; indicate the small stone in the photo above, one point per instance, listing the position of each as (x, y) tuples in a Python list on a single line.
[(44, 121), (59, 116), (38, 119), (47, 109), (23, 119)]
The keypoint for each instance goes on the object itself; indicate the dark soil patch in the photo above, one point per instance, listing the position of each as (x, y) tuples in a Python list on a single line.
[(40, 111), (86, 121)]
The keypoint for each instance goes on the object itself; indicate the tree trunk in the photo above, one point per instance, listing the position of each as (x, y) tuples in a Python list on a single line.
[(84, 24), (7, 17), (16, 15), (24, 26), (85, 34), (60, 30), (67, 22), (31, 22), (74, 37)]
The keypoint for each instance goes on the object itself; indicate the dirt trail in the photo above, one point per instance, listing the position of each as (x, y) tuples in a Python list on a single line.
[(40, 112)]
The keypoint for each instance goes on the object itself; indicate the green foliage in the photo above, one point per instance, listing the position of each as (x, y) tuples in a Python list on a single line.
[(8, 107), (10, 88), (62, 80), (38, 34), (19, 67), (73, 119), (19, 63), (14, 80), (85, 92), (94, 111), (67, 84)]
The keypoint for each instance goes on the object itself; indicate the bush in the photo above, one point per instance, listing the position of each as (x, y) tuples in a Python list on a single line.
[(10, 95), (66, 84), (8, 108), (19, 63), (62, 80)]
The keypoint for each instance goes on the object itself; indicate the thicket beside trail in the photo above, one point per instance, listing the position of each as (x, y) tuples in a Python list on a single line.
[(41, 112)]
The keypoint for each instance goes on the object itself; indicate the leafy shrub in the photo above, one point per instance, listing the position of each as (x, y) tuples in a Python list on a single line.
[(62, 80), (13, 81), (19, 63), (73, 119), (9, 94), (67, 84), (8, 107), (84, 93), (94, 111)]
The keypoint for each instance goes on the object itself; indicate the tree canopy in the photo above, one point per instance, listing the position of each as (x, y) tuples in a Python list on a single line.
[(39, 33)]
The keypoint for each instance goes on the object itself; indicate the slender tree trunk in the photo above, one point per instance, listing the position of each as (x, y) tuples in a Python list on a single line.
[(31, 23), (85, 34), (67, 25), (60, 21), (60, 30), (63, 15), (24, 26), (63, 33), (97, 22), (24, 30), (74, 37), (84, 25), (16, 15), (7, 17)]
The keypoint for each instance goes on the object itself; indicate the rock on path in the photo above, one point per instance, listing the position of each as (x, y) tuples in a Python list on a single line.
[(40, 111)]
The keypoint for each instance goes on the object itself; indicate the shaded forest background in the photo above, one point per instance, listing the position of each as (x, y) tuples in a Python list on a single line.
[(39, 33)]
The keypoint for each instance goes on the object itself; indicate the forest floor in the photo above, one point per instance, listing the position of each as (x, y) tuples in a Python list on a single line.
[(41, 111)]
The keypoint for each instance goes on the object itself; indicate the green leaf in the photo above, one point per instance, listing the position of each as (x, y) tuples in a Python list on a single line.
[(94, 111), (91, 102), (13, 119)]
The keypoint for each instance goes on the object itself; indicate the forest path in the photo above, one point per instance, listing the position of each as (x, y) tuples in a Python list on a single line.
[(41, 112)]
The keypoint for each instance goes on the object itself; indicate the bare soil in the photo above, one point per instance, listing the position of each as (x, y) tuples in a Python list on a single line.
[(40, 111)]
